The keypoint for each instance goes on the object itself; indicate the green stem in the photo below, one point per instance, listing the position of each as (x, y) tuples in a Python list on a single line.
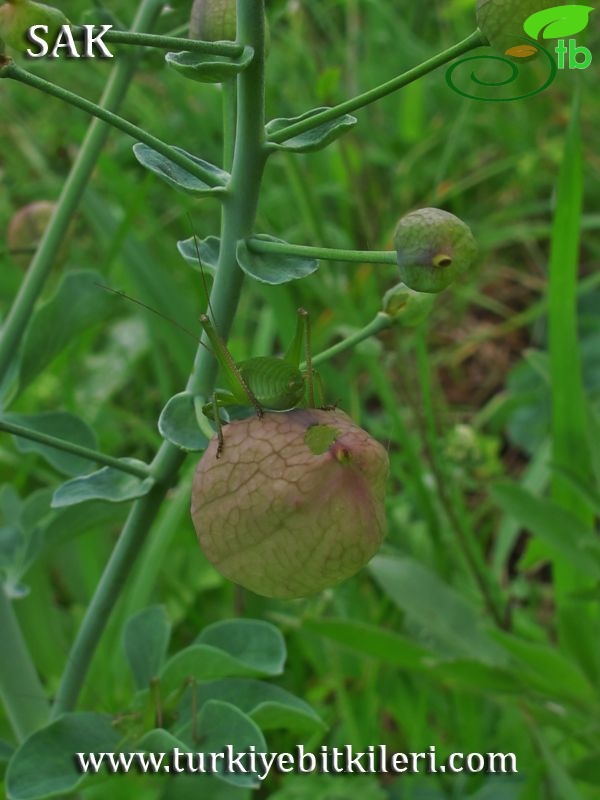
[(20, 688), (75, 449), (476, 39), (69, 201), (15, 72), (379, 323), (239, 213), (257, 245), (165, 42), (229, 92)]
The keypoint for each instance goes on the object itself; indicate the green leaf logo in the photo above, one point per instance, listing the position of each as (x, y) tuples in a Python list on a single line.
[(558, 21)]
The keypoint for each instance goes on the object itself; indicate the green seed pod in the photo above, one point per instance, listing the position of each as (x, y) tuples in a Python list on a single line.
[(406, 306), (213, 20), (501, 21), (433, 248), (294, 504), (16, 16)]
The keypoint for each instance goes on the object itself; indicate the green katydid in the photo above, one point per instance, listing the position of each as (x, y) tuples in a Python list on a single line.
[(268, 383)]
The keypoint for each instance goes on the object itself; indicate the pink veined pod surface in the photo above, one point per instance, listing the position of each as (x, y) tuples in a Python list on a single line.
[(295, 503)]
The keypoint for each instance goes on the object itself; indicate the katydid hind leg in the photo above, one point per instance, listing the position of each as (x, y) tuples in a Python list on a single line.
[(238, 384), (310, 374), (221, 441)]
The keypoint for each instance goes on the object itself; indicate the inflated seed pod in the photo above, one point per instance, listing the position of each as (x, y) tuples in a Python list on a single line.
[(501, 21), (213, 20), (16, 16), (26, 228), (433, 247), (294, 504)]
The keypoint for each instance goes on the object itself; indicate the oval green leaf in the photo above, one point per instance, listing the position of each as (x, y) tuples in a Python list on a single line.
[(274, 268), (45, 765), (271, 707), (63, 425), (177, 176), (107, 484), (257, 644), (558, 22), (208, 249), (204, 662), (145, 641), (312, 140), (223, 726), (208, 68), (178, 424)]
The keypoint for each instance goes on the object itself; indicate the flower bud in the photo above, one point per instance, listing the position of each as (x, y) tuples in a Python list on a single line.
[(406, 306), (433, 248), (294, 504)]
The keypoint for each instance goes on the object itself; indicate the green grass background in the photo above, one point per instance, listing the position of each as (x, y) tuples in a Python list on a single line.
[(490, 410)]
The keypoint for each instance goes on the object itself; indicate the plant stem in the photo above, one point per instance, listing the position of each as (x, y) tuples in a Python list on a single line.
[(20, 688), (257, 245), (239, 208), (476, 39), (239, 212), (69, 200), (75, 449), (15, 72), (165, 42), (379, 323), (451, 497)]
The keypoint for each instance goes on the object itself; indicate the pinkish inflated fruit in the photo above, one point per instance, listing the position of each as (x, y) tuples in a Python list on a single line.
[(294, 504)]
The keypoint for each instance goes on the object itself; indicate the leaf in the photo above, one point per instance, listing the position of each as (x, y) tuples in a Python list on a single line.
[(558, 22), (177, 176), (178, 423), (253, 642), (208, 68), (63, 425), (45, 764), (312, 140), (108, 484), (77, 305), (561, 530), (222, 726), (6, 751), (21, 536), (547, 670), (385, 646), (269, 706), (587, 769), (390, 648), (145, 640), (274, 268), (208, 249), (454, 625), (203, 662)]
